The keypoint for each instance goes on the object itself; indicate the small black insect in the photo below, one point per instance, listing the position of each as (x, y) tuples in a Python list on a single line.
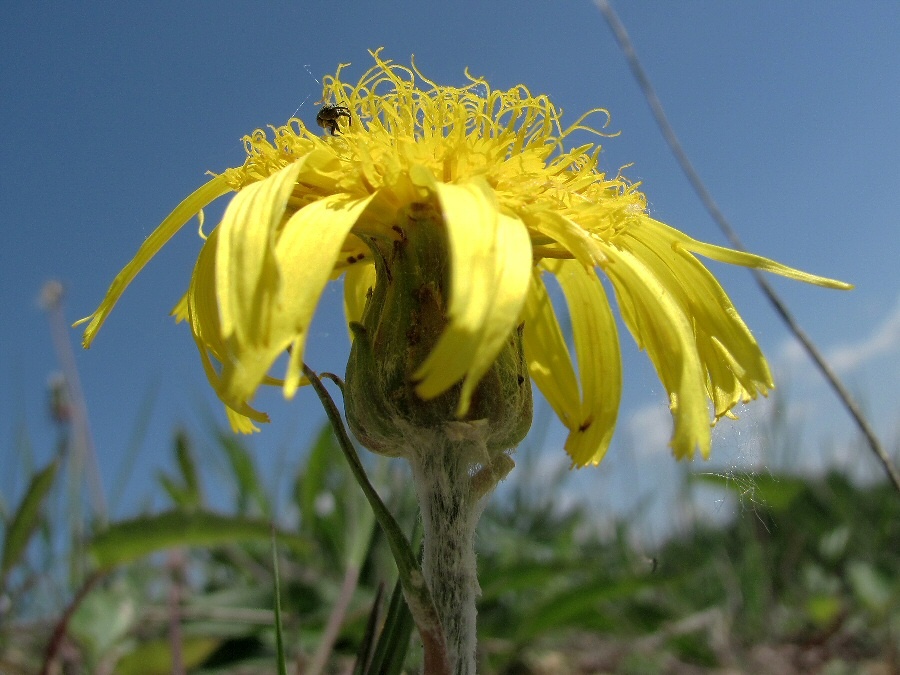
[(329, 115)]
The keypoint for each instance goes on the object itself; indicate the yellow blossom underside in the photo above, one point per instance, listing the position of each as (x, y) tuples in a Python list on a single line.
[(516, 206)]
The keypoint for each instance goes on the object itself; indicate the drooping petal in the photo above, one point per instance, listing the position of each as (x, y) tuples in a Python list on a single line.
[(246, 273), (660, 326), (203, 315), (240, 424), (727, 255), (490, 257), (198, 307), (318, 230), (736, 367), (549, 363), (180, 310), (574, 239), (513, 274), (202, 305), (599, 361), (186, 210), (321, 229)]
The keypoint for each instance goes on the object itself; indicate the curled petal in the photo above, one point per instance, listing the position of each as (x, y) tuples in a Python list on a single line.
[(358, 282), (660, 326), (246, 274), (490, 257), (203, 315), (318, 229), (599, 361), (735, 366), (589, 414), (548, 357)]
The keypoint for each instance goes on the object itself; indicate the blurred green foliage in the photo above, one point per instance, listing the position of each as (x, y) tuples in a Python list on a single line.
[(809, 573)]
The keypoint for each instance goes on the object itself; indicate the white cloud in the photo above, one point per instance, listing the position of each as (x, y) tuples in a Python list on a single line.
[(846, 358), (649, 429), (883, 340), (791, 353)]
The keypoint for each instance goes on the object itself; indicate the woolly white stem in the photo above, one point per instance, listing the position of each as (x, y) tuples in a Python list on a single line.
[(450, 511)]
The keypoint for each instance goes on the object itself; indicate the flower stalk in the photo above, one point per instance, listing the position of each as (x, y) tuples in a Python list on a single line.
[(450, 509), (415, 591), (456, 459)]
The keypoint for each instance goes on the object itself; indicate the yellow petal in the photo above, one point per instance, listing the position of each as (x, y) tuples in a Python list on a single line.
[(490, 269), (180, 310), (660, 326), (246, 274), (239, 423), (727, 255), (358, 281), (736, 367), (307, 249), (599, 362), (186, 210), (549, 363), (573, 238), (203, 315), (316, 233), (203, 310)]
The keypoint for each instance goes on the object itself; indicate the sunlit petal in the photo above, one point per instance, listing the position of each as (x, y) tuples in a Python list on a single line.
[(203, 316), (727, 255), (548, 357), (661, 327), (488, 250), (246, 274), (599, 361), (318, 229)]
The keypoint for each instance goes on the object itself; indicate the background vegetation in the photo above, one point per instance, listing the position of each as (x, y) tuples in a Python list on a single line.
[(805, 579)]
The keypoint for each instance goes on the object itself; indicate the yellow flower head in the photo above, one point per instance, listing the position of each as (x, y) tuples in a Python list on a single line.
[(517, 208)]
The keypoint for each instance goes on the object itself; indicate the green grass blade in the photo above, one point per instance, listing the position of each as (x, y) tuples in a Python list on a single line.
[(129, 540), (187, 464), (364, 653), (133, 447), (26, 518), (393, 642), (174, 491), (279, 636), (185, 492)]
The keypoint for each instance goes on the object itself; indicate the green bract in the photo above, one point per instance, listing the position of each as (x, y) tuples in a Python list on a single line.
[(404, 317)]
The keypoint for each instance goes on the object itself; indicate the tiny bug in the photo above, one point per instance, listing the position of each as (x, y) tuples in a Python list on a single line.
[(329, 115)]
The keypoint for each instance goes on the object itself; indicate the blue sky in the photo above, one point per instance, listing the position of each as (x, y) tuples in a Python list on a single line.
[(112, 112)]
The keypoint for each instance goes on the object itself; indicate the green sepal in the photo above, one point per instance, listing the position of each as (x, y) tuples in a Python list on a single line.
[(404, 317)]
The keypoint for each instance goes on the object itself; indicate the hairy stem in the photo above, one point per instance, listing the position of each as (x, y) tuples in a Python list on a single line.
[(450, 510)]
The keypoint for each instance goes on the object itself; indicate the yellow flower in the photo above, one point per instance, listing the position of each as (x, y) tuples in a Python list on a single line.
[(518, 208)]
